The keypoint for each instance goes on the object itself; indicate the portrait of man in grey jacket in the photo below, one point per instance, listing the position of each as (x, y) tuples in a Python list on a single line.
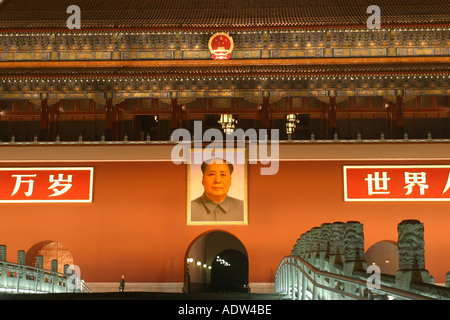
[(215, 204)]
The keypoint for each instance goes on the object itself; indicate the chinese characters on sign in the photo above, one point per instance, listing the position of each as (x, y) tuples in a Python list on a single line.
[(397, 183), (46, 184)]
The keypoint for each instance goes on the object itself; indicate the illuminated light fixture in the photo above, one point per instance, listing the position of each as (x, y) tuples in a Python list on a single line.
[(222, 262), (228, 123), (291, 123), (199, 263)]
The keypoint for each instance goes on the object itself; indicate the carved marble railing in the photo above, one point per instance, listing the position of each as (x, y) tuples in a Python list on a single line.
[(328, 262), (19, 278)]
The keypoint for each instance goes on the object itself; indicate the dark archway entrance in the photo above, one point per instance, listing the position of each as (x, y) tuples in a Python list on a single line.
[(204, 270), (229, 272)]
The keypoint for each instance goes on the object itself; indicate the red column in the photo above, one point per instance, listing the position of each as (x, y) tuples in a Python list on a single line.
[(109, 119), (399, 121), (332, 122), (116, 125), (175, 114), (265, 113), (52, 122), (43, 132)]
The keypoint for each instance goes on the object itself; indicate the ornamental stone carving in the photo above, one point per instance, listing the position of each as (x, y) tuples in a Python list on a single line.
[(411, 254), (2, 252), (324, 247), (54, 265), (314, 244), (411, 245), (21, 257), (354, 241), (337, 243), (307, 245), (40, 262), (301, 247), (354, 247)]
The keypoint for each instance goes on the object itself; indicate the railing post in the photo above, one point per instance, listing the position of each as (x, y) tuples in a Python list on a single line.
[(354, 248), (353, 252), (289, 275), (286, 282), (39, 265), (276, 281), (315, 246), (411, 254), (66, 276), (2, 252), (314, 293), (280, 279), (292, 282), (307, 246), (336, 247), (21, 262), (303, 286), (299, 285), (4, 270), (54, 268), (324, 246)]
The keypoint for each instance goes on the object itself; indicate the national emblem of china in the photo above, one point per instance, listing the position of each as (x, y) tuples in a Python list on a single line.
[(221, 45)]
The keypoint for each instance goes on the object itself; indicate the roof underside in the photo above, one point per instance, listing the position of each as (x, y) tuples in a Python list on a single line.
[(170, 14)]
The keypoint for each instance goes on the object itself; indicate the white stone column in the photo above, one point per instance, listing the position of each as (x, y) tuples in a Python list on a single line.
[(303, 287)]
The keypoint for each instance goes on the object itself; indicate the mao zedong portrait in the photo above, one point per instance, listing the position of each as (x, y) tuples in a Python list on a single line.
[(215, 204)]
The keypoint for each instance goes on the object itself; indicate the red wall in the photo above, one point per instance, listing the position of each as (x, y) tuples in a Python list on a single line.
[(136, 224)]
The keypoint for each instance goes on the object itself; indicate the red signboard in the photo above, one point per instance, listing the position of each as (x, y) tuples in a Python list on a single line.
[(397, 183), (42, 184)]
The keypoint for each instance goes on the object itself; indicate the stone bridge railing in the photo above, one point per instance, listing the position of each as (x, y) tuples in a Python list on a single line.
[(20, 278), (338, 249)]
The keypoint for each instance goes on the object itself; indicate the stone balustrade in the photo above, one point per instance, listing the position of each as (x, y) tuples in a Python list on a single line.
[(20, 278), (338, 248)]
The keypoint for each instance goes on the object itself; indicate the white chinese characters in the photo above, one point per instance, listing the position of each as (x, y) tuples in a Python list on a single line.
[(19, 182), (415, 178), (66, 184), (59, 185), (377, 183)]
